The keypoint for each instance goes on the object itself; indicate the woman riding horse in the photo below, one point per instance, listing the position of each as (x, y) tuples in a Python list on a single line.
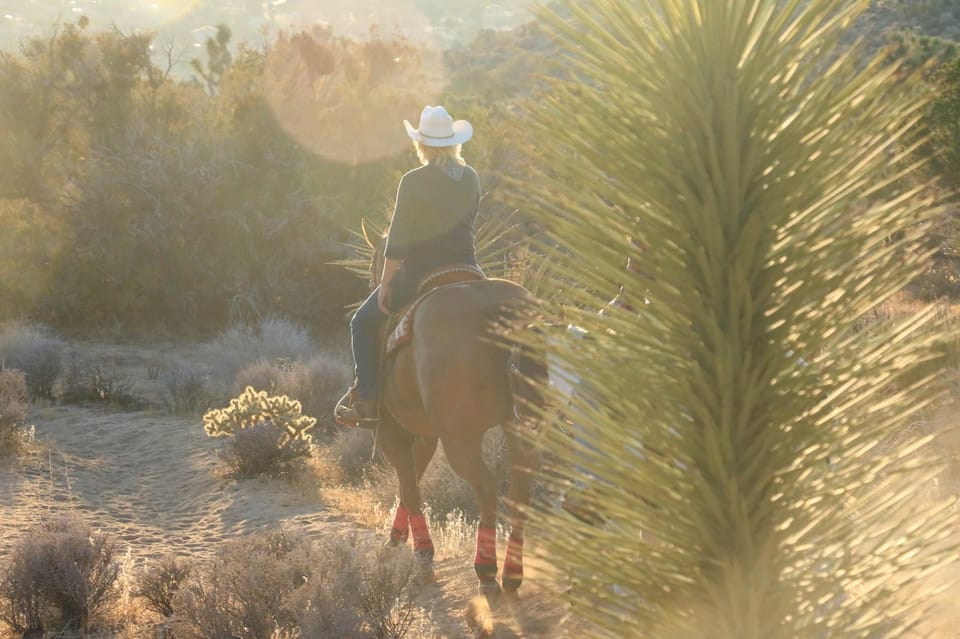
[(431, 227), (463, 371)]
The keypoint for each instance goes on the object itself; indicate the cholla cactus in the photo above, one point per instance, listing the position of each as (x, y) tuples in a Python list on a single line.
[(253, 408)]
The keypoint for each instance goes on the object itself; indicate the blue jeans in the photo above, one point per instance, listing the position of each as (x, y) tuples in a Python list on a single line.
[(364, 341)]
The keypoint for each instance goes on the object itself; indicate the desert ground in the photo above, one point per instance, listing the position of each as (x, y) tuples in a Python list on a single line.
[(155, 481)]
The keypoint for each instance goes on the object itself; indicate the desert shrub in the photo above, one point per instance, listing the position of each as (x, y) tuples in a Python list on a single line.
[(186, 390), (61, 574), (316, 383), (941, 279), (86, 382), (245, 591), (274, 584), (357, 591), (263, 374), (38, 355), (269, 340), (352, 449), (943, 118), (268, 433), (13, 408), (160, 582), (262, 450), (384, 596)]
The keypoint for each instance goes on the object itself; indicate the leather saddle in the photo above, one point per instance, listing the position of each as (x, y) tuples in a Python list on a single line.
[(398, 329)]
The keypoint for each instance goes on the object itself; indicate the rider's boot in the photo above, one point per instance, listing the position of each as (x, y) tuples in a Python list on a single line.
[(351, 411)]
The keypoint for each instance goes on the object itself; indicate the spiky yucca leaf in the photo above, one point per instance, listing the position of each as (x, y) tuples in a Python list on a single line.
[(758, 177)]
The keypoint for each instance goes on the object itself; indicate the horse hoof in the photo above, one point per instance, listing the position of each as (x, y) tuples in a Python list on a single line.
[(511, 584), (510, 594), (425, 576), (480, 617), (491, 592)]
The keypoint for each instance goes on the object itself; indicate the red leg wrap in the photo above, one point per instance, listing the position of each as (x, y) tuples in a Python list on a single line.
[(513, 563), (401, 526), (421, 536), (485, 562)]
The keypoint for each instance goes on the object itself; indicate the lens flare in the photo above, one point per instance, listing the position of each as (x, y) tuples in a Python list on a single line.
[(344, 88), (162, 12)]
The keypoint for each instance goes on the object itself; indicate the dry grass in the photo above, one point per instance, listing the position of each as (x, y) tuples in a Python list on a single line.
[(278, 583), (271, 339), (32, 350), (13, 410)]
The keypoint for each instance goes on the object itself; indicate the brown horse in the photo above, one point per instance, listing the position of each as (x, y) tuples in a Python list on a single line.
[(459, 377)]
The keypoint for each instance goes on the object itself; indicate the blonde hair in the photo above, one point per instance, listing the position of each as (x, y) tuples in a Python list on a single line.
[(444, 157)]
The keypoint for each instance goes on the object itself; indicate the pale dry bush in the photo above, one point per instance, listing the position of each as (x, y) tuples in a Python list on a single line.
[(86, 382), (187, 391), (270, 340), (263, 450), (352, 451), (245, 592), (13, 409), (160, 581), (276, 585), (61, 575), (359, 591), (31, 349)]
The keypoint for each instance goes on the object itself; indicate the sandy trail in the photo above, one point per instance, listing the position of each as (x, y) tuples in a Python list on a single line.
[(153, 480)]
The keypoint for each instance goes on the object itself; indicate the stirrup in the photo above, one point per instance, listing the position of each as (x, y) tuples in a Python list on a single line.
[(353, 412)]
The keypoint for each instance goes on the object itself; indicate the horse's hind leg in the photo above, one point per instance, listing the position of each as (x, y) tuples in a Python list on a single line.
[(523, 462), (423, 451), (465, 456), (397, 446)]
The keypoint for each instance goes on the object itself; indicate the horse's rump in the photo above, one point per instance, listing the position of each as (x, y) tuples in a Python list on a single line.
[(456, 371)]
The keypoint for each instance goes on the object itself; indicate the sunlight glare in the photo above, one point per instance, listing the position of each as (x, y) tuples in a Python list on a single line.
[(162, 12), (348, 102)]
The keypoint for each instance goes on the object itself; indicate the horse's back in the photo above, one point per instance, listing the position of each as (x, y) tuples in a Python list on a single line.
[(457, 371)]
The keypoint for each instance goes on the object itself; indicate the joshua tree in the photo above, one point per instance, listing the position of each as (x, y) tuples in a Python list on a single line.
[(757, 175)]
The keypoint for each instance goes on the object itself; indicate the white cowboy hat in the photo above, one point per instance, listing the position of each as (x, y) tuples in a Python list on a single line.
[(437, 128)]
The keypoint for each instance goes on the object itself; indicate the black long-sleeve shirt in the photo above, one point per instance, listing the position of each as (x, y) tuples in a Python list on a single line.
[(433, 221)]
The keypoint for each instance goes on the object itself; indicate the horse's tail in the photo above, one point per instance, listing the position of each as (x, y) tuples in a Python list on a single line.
[(527, 364), (528, 378)]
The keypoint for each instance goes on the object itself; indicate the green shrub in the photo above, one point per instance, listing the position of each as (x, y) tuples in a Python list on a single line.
[(943, 119), (268, 432)]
